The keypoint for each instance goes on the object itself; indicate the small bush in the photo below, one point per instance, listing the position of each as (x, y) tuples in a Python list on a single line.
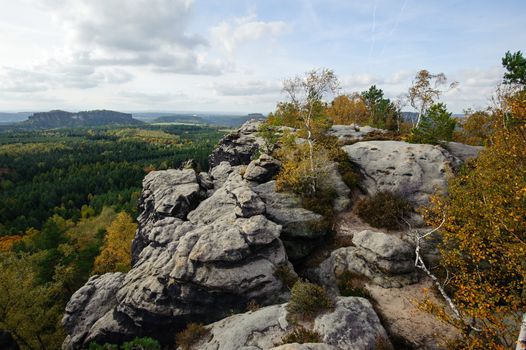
[(284, 273), (301, 335), (384, 210), (252, 305), (142, 344), (351, 285), (308, 300), (191, 335)]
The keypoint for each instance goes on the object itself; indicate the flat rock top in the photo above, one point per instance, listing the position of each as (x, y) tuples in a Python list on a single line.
[(414, 170)]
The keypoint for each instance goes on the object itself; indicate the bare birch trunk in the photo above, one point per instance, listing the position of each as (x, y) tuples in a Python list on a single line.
[(521, 340)]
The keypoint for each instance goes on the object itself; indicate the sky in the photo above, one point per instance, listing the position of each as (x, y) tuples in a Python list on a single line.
[(233, 55)]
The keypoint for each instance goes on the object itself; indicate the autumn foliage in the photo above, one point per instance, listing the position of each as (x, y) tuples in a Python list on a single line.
[(116, 252), (484, 234)]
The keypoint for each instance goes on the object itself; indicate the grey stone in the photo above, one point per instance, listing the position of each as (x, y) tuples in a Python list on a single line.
[(413, 170), (352, 133), (462, 151), (352, 324), (262, 169), (239, 147), (89, 304)]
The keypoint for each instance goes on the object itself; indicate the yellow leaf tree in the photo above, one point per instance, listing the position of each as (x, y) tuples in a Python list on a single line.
[(484, 234), (116, 251)]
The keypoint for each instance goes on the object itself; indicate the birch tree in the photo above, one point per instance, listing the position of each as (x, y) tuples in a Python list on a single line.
[(426, 90), (307, 93)]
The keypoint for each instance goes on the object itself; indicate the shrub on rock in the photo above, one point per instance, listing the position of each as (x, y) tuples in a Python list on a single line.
[(308, 300), (190, 336), (301, 335), (384, 210)]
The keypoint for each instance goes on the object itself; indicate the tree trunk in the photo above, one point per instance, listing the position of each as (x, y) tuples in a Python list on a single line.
[(521, 340)]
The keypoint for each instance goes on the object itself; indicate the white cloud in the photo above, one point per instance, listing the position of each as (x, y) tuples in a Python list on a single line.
[(248, 88), (229, 35)]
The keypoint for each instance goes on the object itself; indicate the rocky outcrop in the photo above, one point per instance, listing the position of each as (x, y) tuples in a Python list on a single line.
[(462, 151), (301, 227), (351, 133), (413, 170), (352, 324), (262, 169), (385, 259), (168, 193), (239, 147), (198, 266), (88, 305)]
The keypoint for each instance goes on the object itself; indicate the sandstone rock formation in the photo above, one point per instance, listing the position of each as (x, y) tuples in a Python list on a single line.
[(351, 133), (413, 170), (383, 258), (238, 147), (198, 266), (352, 324), (210, 243)]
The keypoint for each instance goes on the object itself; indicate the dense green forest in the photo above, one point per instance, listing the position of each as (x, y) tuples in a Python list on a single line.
[(43, 173)]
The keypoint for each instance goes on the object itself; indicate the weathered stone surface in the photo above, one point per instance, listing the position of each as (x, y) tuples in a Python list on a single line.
[(285, 209), (220, 173), (342, 199), (300, 227), (385, 259), (413, 170), (172, 193), (462, 151), (89, 304), (216, 259), (238, 147), (352, 324), (262, 169), (258, 229), (352, 133)]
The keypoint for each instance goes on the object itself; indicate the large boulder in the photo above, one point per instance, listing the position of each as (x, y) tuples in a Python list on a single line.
[(413, 170), (385, 259), (201, 267), (352, 324), (239, 147), (352, 133), (462, 151)]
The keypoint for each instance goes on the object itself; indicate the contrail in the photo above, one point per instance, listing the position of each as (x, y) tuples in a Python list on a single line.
[(398, 18), (373, 39)]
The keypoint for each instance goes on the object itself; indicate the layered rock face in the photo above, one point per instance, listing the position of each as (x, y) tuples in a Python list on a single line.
[(352, 324), (384, 259), (195, 265), (238, 147)]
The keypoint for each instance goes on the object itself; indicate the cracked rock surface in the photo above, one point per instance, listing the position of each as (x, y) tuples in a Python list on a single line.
[(413, 170), (352, 324)]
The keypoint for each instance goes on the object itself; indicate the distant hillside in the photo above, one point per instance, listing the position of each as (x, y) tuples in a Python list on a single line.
[(180, 118), (218, 119), (232, 121), (63, 119), (15, 117)]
